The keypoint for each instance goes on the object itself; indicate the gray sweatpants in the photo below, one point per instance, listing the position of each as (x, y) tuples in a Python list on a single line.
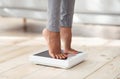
[(60, 13)]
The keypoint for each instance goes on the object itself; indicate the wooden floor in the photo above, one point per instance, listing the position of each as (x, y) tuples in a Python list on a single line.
[(103, 61)]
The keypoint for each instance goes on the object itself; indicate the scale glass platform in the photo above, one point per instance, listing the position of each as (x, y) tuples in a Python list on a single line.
[(43, 58)]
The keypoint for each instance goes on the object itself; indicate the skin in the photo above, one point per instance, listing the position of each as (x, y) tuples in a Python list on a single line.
[(66, 36), (54, 42)]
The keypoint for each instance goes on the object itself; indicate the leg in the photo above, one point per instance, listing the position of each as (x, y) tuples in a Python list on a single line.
[(51, 33), (67, 11)]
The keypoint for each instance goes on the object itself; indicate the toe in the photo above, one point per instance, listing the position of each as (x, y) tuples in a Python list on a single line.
[(56, 57), (63, 56), (60, 57)]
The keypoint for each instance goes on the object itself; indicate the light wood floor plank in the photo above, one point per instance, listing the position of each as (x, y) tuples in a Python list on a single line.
[(18, 61), (10, 44), (117, 77), (8, 53), (109, 71), (20, 71), (18, 52), (45, 73)]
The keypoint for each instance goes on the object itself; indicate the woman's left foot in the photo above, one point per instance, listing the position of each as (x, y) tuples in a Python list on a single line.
[(70, 51), (66, 36)]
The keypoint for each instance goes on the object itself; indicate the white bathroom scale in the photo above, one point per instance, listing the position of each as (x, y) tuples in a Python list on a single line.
[(43, 58)]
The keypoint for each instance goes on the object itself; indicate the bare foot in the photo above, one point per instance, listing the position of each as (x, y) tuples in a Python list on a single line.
[(70, 51), (66, 36), (54, 44)]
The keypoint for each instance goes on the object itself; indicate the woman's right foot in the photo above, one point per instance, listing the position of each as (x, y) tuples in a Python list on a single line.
[(54, 44)]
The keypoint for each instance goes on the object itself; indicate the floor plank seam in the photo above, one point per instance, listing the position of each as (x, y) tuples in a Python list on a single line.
[(11, 69), (101, 66), (14, 56), (17, 65), (23, 77), (118, 76)]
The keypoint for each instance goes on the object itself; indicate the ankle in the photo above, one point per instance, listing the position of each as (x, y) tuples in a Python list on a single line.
[(66, 49)]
